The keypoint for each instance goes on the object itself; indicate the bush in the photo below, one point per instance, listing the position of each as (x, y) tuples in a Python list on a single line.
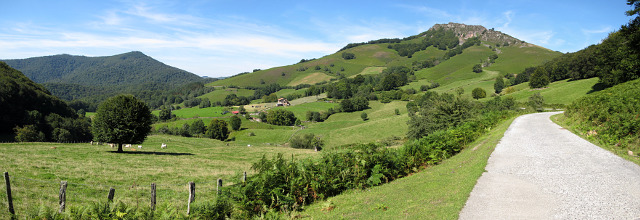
[(307, 141), (348, 56), (29, 133), (364, 116), (477, 68), (536, 101), (478, 93)]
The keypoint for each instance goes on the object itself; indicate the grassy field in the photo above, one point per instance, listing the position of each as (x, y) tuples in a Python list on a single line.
[(196, 112), (560, 92), (219, 94), (515, 60), (438, 192), (310, 79), (36, 170)]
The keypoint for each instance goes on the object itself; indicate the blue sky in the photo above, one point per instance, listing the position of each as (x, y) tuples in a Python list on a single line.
[(223, 38)]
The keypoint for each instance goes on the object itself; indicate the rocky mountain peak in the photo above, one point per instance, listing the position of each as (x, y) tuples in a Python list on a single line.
[(490, 35)]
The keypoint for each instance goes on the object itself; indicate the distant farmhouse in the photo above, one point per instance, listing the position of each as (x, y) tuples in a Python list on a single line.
[(283, 102)]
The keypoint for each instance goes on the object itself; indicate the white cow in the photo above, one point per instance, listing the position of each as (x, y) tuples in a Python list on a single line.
[(139, 146), (163, 146), (128, 145), (111, 145)]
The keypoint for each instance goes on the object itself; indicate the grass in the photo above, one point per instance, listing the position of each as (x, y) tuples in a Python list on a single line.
[(36, 170), (438, 192), (195, 112), (515, 59), (310, 79), (560, 92), (219, 94), (562, 120)]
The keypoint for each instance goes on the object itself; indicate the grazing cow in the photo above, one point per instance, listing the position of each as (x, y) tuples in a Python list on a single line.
[(112, 145), (163, 146), (139, 146), (128, 145)]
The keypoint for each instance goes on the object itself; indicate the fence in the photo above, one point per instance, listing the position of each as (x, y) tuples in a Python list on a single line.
[(62, 195)]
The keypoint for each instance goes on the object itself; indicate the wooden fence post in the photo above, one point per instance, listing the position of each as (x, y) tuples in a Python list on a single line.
[(192, 196), (219, 187), (153, 196), (112, 192), (63, 195), (9, 199), (244, 177)]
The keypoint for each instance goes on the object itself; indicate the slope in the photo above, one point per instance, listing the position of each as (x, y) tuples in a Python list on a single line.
[(19, 95), (79, 76)]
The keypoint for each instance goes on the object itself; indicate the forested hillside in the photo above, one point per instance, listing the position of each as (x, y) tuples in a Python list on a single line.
[(94, 78), (616, 60), (33, 113)]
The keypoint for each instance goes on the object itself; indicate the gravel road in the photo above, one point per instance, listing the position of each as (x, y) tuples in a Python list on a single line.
[(541, 171)]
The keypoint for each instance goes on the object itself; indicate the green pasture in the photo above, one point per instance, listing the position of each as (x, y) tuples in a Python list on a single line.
[(219, 94), (36, 170)]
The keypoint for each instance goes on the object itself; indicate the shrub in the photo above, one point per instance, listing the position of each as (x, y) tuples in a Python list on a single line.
[(29, 133), (307, 141), (348, 56), (364, 116), (536, 101), (478, 93), (477, 68)]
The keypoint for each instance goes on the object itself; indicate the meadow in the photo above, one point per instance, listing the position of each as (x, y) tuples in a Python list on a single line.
[(36, 170)]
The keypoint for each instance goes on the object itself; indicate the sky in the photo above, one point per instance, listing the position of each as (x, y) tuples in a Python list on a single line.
[(222, 38)]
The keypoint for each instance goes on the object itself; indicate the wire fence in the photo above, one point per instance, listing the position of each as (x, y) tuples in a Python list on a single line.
[(22, 192)]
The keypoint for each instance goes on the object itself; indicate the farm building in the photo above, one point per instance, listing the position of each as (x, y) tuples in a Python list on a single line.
[(283, 102)]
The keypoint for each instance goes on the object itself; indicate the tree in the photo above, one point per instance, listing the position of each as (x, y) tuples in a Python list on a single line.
[(242, 110), (218, 130), (478, 93), (536, 101), (197, 127), (281, 117), (122, 119), (165, 114), (205, 103), (348, 56), (539, 79), (306, 141), (29, 133), (477, 68), (498, 85), (364, 116), (236, 122)]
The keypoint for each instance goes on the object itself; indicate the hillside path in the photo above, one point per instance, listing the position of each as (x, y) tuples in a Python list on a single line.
[(539, 170)]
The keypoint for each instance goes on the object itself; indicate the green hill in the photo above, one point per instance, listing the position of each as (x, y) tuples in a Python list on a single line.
[(19, 96), (75, 77), (514, 56)]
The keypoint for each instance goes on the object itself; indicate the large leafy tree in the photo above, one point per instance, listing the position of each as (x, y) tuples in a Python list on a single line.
[(218, 130), (236, 122), (122, 119), (281, 117), (498, 85)]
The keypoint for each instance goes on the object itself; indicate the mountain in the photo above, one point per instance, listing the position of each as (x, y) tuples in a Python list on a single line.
[(445, 53), (74, 77), (19, 95)]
